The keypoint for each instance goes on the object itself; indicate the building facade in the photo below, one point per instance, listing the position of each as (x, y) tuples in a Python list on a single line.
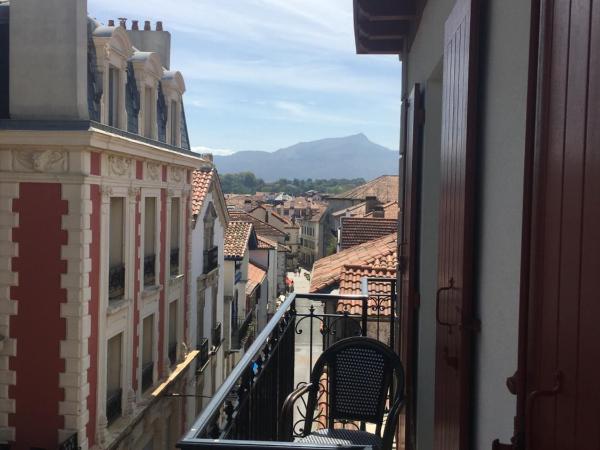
[(95, 177)]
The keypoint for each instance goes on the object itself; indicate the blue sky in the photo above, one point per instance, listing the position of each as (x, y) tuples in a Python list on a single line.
[(265, 74)]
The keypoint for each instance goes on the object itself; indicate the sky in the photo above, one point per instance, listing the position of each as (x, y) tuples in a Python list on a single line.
[(266, 74)]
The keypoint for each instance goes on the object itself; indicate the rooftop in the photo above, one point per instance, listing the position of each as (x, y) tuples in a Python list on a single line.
[(385, 188), (381, 253), (262, 228), (357, 230), (201, 182), (256, 275), (238, 236), (350, 284)]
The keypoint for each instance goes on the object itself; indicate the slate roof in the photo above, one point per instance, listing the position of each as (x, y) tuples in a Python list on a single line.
[(350, 283), (385, 188), (201, 182), (262, 228), (357, 230), (256, 276), (237, 239), (380, 253)]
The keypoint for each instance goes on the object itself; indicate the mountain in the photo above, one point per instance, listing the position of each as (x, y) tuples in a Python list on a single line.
[(345, 157)]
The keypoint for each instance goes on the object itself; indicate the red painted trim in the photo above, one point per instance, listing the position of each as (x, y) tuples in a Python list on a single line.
[(96, 198), (136, 292), (186, 266), (164, 173), (139, 170), (162, 278), (39, 293), (95, 163)]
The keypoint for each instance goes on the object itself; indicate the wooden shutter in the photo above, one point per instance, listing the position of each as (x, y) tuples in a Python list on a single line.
[(563, 392), (454, 314), (409, 259)]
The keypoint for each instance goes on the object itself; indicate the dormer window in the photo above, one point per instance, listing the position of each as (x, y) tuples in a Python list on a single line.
[(149, 116), (113, 96), (174, 123)]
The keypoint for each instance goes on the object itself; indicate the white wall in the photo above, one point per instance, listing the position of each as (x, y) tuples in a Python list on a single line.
[(503, 105)]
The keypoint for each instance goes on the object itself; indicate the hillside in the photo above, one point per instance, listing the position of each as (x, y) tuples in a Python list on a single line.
[(346, 157)]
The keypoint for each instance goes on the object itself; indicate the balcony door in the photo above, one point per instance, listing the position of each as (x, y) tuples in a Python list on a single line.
[(562, 390), (455, 324), (411, 165)]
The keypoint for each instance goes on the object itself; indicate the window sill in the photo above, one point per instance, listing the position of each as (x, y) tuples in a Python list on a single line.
[(150, 291), (115, 306)]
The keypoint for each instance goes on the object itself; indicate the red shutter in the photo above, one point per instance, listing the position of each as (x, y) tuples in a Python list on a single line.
[(409, 264), (455, 323)]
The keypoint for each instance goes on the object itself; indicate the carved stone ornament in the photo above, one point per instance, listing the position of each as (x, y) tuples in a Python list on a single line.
[(51, 161), (107, 191), (119, 166), (153, 170), (134, 191), (176, 174)]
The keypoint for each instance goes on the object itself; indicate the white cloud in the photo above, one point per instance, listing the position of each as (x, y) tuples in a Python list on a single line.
[(214, 151)]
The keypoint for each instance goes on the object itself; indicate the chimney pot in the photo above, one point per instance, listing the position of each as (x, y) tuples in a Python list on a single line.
[(159, 26), (123, 22), (147, 25), (111, 23), (135, 25)]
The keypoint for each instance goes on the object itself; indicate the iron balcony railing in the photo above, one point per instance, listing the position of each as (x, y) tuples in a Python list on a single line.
[(174, 262), (147, 376), (216, 337), (116, 282), (113, 405), (150, 270), (242, 331), (211, 259), (245, 412)]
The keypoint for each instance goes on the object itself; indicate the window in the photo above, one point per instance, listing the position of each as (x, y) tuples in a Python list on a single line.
[(147, 352), (148, 112), (200, 318), (116, 267), (114, 392), (174, 260), (150, 241), (173, 332), (113, 97), (174, 122)]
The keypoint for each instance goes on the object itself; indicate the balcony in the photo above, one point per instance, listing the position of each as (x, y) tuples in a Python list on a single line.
[(211, 259), (173, 353), (174, 262), (116, 282), (147, 376), (113, 405), (242, 331), (150, 270), (246, 411), (216, 337)]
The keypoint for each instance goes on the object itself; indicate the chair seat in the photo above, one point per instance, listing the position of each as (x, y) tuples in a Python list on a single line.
[(341, 436)]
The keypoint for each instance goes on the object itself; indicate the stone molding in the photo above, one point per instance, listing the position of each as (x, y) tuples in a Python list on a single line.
[(40, 160)]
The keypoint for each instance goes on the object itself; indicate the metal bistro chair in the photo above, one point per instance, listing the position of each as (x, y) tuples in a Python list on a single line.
[(360, 373)]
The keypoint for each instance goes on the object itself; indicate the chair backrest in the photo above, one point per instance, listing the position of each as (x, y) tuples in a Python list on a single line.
[(360, 372)]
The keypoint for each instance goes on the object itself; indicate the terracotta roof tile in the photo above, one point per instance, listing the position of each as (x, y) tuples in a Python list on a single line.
[(357, 230), (262, 228), (385, 188), (237, 236), (264, 243), (256, 276), (380, 253), (351, 283), (201, 182)]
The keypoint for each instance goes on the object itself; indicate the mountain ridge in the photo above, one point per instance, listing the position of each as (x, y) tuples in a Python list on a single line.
[(337, 157)]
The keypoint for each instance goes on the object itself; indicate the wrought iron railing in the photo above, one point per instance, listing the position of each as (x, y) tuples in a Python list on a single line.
[(174, 262), (116, 282), (242, 331), (150, 270), (147, 376), (216, 337), (211, 259), (113, 405), (246, 410)]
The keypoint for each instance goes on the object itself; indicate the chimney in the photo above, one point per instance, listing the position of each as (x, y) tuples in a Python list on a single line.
[(371, 202), (111, 22), (135, 25), (123, 22), (378, 212), (149, 40), (34, 65)]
